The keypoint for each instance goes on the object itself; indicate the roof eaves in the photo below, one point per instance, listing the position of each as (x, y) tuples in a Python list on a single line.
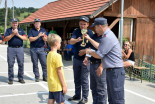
[(62, 19), (53, 20), (104, 7)]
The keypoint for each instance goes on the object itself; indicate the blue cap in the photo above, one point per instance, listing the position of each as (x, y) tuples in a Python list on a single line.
[(14, 20), (36, 20), (84, 18), (99, 21)]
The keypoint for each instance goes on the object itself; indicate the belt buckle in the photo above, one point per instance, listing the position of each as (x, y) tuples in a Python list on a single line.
[(95, 62), (17, 46)]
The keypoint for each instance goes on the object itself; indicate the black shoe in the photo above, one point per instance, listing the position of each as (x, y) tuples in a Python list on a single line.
[(21, 81), (45, 79), (82, 101), (10, 82), (73, 98), (37, 80)]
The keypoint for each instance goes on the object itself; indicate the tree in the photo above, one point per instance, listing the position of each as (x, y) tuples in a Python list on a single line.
[(1, 29), (2, 16), (6, 15)]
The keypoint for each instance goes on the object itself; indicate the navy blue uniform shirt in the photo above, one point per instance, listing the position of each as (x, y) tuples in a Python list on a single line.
[(39, 42), (1, 37), (15, 40), (97, 39), (76, 34)]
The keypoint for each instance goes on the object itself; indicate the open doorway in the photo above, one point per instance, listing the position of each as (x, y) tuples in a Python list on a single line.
[(115, 28)]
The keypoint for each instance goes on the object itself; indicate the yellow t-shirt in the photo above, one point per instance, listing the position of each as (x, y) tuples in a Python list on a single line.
[(54, 60)]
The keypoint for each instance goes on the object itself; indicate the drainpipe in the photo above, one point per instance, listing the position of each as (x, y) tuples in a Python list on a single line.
[(121, 24)]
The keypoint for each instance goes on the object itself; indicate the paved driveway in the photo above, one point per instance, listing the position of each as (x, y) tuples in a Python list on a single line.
[(37, 92)]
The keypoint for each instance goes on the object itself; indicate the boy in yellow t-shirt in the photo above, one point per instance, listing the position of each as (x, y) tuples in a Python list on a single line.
[(56, 81)]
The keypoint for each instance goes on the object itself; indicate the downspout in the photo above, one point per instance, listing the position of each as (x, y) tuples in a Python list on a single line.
[(121, 24)]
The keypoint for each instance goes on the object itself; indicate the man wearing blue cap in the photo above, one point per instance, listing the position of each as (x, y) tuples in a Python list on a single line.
[(0, 39), (109, 51), (80, 70), (15, 37), (37, 39), (97, 73)]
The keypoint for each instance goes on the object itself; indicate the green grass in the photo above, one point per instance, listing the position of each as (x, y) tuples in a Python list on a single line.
[(22, 15)]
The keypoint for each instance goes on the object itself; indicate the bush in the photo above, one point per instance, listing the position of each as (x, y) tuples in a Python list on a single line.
[(1, 29), (26, 43)]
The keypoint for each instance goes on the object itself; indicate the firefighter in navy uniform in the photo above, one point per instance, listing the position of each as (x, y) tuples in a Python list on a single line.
[(97, 73), (80, 70), (15, 37), (1, 39), (37, 39)]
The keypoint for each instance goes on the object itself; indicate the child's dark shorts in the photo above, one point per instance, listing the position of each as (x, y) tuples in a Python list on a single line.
[(59, 97)]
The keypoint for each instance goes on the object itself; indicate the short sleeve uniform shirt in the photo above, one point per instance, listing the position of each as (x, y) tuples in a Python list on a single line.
[(110, 50)]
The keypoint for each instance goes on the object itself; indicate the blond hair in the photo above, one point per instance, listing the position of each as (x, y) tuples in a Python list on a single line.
[(52, 38), (127, 42)]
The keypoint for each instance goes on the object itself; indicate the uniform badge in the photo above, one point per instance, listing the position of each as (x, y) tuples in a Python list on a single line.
[(104, 35)]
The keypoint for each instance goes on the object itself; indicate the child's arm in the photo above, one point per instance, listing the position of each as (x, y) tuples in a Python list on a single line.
[(64, 87)]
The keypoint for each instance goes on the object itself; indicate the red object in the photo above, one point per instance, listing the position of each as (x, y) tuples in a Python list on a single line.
[(66, 9)]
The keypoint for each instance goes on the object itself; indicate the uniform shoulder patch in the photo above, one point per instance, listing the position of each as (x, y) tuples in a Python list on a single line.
[(93, 32), (104, 35), (75, 28)]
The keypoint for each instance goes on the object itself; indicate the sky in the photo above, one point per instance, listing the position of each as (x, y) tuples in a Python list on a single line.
[(26, 3)]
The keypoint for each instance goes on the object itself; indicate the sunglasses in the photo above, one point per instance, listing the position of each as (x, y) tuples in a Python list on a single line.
[(125, 44)]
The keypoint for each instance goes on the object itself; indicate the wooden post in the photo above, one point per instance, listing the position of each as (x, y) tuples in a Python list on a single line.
[(64, 30)]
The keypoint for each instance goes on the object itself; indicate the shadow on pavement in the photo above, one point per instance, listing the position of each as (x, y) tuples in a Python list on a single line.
[(43, 96), (132, 79), (150, 85), (69, 102), (3, 79)]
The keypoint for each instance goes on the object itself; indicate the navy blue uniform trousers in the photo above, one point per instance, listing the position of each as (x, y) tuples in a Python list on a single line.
[(13, 53), (38, 53), (98, 85), (115, 85), (80, 78)]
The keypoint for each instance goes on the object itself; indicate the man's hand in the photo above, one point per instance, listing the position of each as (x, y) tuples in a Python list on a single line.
[(87, 37), (15, 31), (64, 89), (79, 39), (99, 71), (41, 34), (82, 52), (85, 61)]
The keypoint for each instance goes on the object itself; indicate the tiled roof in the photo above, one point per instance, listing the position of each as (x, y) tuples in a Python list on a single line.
[(66, 9)]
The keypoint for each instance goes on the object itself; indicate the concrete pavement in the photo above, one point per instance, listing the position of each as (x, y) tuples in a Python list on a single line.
[(37, 92)]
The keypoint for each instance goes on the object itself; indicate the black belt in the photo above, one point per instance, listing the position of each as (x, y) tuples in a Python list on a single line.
[(95, 62), (109, 69), (38, 47), (15, 46)]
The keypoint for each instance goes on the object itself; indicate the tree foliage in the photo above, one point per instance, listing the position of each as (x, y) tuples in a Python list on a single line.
[(17, 14)]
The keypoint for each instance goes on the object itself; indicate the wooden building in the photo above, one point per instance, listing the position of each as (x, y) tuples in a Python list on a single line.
[(139, 19)]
